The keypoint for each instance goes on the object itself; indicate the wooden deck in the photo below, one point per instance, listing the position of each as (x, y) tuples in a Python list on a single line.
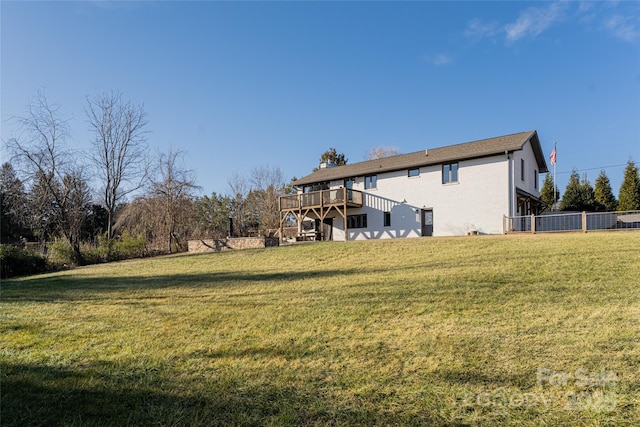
[(319, 204), (341, 197)]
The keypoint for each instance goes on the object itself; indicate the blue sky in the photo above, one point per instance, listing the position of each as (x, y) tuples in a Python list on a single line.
[(240, 85)]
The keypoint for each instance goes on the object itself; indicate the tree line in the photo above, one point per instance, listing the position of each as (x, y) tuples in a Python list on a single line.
[(580, 195), (46, 193), (146, 203)]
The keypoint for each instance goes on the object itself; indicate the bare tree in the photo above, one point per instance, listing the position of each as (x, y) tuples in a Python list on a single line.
[(382, 152), (267, 184), (263, 177), (40, 148), (120, 148), (173, 188), (239, 191), (78, 194), (139, 217)]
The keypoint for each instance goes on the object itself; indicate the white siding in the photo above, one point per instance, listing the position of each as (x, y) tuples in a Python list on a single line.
[(478, 201), (530, 165)]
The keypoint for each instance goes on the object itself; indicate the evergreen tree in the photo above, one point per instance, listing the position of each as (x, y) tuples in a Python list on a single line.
[(546, 194), (333, 157), (605, 199), (13, 204), (587, 195), (579, 195), (211, 216), (629, 198), (571, 198)]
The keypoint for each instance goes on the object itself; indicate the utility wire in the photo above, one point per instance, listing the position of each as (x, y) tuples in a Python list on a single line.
[(592, 169)]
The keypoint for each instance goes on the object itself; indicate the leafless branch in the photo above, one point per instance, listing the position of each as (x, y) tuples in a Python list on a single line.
[(120, 153)]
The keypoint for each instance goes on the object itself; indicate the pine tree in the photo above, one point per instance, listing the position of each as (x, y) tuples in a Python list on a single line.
[(13, 204), (604, 196), (571, 199), (587, 195), (546, 194), (629, 198), (579, 194), (332, 156)]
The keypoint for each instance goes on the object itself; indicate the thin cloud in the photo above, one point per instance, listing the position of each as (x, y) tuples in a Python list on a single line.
[(585, 6), (619, 19), (534, 21), (622, 27), (586, 12), (477, 28), (442, 59), (439, 60)]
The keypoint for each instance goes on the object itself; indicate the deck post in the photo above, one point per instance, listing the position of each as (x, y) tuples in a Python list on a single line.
[(344, 213), (299, 216), (533, 224)]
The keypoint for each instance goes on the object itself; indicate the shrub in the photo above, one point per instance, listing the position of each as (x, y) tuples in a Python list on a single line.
[(128, 246), (61, 253), (125, 247), (91, 255), (18, 261)]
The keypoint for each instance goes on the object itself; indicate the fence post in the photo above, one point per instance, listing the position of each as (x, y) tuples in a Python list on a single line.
[(504, 224), (584, 221), (533, 224)]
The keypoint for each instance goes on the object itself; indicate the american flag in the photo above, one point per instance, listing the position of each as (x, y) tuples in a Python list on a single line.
[(553, 156)]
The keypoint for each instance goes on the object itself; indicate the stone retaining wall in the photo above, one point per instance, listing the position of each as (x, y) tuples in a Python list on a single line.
[(217, 245)]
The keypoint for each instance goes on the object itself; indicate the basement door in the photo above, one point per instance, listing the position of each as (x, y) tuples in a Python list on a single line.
[(427, 222), (327, 229), (324, 229)]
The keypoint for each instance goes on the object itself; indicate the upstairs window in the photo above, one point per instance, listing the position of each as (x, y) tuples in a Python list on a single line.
[(370, 181), (449, 173), (535, 179), (348, 183), (522, 170), (315, 187), (413, 172)]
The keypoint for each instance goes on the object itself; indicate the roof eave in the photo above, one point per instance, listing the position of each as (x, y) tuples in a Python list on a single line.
[(538, 153)]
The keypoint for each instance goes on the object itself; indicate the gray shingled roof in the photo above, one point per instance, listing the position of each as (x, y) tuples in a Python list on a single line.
[(450, 153)]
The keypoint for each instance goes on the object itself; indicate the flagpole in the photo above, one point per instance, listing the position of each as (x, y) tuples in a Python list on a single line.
[(554, 176)]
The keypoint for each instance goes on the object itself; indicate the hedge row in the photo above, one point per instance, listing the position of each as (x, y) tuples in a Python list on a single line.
[(18, 261)]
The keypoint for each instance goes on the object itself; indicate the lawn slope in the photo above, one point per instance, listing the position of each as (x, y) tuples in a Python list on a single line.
[(495, 330)]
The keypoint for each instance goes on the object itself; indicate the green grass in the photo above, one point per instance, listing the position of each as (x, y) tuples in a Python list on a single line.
[(495, 330)]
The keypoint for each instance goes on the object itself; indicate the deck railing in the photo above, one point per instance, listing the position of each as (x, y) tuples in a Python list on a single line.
[(572, 221), (322, 198)]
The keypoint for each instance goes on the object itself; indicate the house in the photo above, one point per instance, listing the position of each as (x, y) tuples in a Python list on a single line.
[(446, 191)]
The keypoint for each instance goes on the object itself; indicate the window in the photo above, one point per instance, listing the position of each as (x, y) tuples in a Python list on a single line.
[(348, 183), (535, 179), (315, 187), (449, 173), (413, 172), (522, 170), (357, 221), (370, 181), (387, 219)]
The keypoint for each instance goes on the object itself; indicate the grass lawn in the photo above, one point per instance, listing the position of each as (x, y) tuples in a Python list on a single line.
[(492, 330)]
